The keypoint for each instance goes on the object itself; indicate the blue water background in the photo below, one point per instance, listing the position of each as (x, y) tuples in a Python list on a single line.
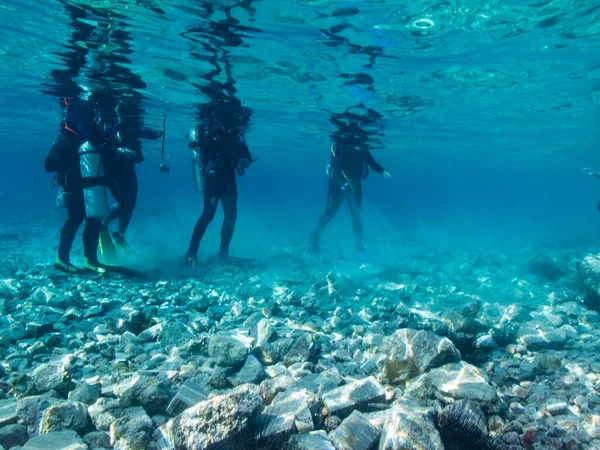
[(495, 165)]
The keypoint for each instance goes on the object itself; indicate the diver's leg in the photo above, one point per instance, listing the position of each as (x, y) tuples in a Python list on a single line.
[(128, 199), (355, 203), (91, 234), (229, 203), (208, 214), (76, 215), (335, 196), (116, 190)]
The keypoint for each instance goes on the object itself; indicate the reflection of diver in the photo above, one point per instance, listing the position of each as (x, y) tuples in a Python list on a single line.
[(218, 154), (123, 181), (77, 132), (350, 162)]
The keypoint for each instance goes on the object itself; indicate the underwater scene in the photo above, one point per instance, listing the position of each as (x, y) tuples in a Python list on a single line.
[(300, 224)]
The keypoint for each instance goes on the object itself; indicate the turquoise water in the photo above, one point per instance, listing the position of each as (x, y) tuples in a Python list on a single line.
[(479, 281), (489, 109)]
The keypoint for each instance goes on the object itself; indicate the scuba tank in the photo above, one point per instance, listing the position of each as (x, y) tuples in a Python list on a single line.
[(197, 163), (198, 170), (94, 182)]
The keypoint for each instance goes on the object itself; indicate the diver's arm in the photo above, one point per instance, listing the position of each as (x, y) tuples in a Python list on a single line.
[(244, 151), (373, 164), (51, 164), (376, 166), (56, 160)]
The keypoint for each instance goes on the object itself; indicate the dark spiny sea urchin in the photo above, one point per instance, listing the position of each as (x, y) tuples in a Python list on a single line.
[(463, 426)]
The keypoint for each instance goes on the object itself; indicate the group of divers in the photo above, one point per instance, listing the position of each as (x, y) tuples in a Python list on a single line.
[(94, 153)]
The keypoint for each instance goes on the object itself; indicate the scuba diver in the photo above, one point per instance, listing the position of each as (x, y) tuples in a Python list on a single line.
[(123, 182), (349, 165), (93, 77), (219, 153), (219, 149), (77, 134)]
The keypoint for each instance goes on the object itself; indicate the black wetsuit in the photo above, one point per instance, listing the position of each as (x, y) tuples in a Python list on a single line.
[(221, 152), (123, 178), (347, 169), (63, 159)]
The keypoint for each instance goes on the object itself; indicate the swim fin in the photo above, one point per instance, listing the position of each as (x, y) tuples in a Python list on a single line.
[(121, 243), (107, 248), (94, 267), (65, 267)]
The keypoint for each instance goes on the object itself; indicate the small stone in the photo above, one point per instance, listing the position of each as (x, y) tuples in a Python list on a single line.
[(37, 349), (372, 340), (332, 422), (343, 400), (37, 330), (410, 353), (462, 318), (63, 416), (593, 432), (57, 440), (263, 332), (218, 377), (354, 433), (570, 332), (519, 392), (515, 426), (215, 421), (557, 409), (454, 381), (174, 333), (495, 424), (547, 362), (188, 395), (150, 334), (486, 342), (104, 412), (517, 408), (148, 391), (132, 431), (538, 338), (581, 401), (8, 412), (97, 439), (47, 377), (227, 351), (303, 349), (406, 429), (529, 437), (316, 440), (511, 438), (13, 435), (128, 338), (250, 373), (85, 393), (285, 418), (73, 313), (93, 311)]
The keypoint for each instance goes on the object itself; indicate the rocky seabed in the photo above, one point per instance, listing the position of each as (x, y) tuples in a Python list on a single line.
[(242, 358)]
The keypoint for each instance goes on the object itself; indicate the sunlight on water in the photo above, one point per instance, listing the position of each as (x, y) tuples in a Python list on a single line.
[(519, 77)]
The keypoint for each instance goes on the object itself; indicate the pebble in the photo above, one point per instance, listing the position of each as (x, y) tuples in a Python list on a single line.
[(558, 408)]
